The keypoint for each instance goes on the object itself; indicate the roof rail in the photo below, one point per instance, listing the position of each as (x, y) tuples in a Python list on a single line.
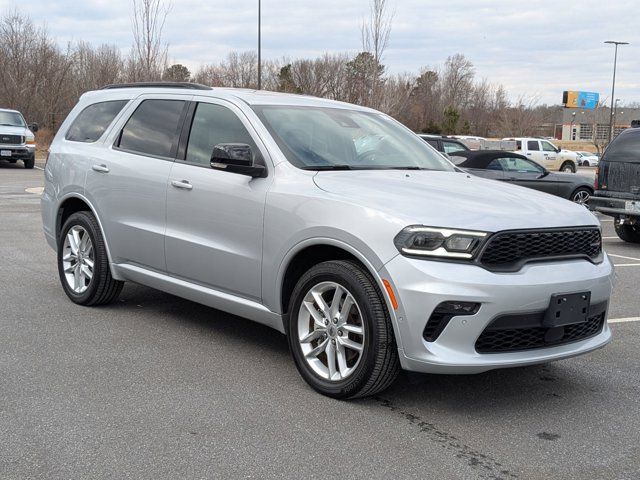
[(184, 85)]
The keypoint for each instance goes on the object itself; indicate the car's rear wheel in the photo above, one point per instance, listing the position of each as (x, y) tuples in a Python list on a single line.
[(568, 167), (340, 333), (83, 263), (30, 162), (581, 195), (628, 233)]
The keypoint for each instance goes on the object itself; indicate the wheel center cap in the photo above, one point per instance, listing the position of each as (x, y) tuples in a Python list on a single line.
[(332, 331)]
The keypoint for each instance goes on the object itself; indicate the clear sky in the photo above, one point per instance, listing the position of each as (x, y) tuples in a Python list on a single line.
[(533, 48)]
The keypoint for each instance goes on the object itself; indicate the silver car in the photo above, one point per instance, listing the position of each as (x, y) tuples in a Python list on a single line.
[(332, 223)]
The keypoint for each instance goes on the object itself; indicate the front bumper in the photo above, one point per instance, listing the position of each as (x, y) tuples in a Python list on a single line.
[(421, 285), (614, 207), (18, 152)]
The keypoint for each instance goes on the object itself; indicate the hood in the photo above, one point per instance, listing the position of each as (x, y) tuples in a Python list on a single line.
[(454, 200), (24, 131)]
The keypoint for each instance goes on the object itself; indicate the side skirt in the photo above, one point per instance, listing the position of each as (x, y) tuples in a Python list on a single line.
[(197, 293)]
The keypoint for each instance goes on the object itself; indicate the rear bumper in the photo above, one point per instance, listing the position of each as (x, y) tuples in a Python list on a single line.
[(422, 285), (614, 207)]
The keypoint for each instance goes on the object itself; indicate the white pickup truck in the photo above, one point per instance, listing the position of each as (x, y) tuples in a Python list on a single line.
[(546, 154)]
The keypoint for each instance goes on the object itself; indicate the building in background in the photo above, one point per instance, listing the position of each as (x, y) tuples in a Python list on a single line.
[(581, 125)]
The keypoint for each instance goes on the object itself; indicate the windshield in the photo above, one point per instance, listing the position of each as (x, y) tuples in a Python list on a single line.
[(11, 119), (319, 138)]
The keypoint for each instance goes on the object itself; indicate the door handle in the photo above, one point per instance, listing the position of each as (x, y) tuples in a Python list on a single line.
[(529, 154), (184, 184), (100, 168)]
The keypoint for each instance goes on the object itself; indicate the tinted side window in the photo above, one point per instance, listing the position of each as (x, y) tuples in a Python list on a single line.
[(495, 164), (547, 147), (511, 164), (450, 147), (533, 145), (214, 124), (92, 122), (625, 148), (154, 127)]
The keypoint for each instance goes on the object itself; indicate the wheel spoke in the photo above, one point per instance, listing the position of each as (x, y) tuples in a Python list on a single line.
[(335, 302), (357, 329), (71, 268), (311, 336), (347, 342), (321, 303), (76, 279), (83, 241), (342, 360), (86, 271), (317, 318), (76, 239), (346, 308), (73, 245), (331, 359), (68, 257), (88, 262), (318, 350)]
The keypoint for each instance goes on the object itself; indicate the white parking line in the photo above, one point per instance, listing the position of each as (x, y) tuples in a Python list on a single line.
[(622, 256), (39, 168), (626, 265), (610, 238), (624, 320)]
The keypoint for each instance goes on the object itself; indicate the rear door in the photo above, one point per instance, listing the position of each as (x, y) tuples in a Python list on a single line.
[(620, 167), (128, 184), (215, 218)]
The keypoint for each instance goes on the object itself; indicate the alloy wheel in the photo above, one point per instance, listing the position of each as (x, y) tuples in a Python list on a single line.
[(78, 259), (581, 197), (331, 331)]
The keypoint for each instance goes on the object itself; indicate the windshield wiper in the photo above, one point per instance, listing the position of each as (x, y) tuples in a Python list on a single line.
[(328, 167), (412, 167), (9, 125)]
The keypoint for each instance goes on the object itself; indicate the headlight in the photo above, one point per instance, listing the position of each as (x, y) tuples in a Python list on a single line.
[(30, 140), (421, 241)]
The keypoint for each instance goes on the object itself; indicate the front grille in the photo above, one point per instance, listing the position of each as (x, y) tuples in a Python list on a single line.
[(11, 139), (501, 340), (509, 250)]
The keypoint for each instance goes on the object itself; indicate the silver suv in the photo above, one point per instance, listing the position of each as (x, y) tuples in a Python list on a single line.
[(17, 140), (329, 222)]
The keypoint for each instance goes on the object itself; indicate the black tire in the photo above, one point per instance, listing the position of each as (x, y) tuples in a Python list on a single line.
[(102, 289), (628, 233), (379, 365), (29, 162), (579, 193), (568, 166)]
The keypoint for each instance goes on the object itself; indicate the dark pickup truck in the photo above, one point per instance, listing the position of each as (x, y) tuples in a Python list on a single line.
[(617, 185)]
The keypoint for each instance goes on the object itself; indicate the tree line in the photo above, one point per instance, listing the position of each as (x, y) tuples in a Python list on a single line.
[(44, 80)]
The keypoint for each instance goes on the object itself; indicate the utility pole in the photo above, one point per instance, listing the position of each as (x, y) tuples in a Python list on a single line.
[(613, 86), (259, 44)]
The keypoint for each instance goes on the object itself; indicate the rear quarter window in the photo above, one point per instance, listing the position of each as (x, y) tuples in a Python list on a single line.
[(93, 121), (625, 148)]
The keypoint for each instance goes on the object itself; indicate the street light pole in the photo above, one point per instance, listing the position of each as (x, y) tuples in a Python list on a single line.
[(259, 44), (613, 87)]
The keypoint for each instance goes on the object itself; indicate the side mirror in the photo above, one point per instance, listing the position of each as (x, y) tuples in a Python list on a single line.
[(34, 127), (235, 158)]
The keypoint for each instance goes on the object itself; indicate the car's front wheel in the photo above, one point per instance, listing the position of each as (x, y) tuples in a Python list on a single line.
[(340, 333), (30, 162), (83, 264), (628, 233), (568, 167)]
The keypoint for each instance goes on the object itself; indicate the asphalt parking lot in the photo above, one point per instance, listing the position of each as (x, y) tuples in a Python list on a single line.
[(159, 387)]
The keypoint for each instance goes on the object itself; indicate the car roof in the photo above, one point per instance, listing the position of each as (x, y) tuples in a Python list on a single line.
[(482, 158), (248, 96), (8, 110)]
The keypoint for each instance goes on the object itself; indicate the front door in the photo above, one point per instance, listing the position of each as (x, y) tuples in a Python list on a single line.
[(215, 218)]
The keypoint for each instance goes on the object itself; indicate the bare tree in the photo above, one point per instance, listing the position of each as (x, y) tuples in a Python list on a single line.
[(375, 33), (149, 53)]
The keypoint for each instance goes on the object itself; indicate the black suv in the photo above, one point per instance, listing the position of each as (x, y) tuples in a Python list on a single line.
[(444, 144), (617, 186)]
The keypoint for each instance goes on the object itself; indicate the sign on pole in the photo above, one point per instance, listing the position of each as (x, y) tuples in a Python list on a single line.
[(576, 99)]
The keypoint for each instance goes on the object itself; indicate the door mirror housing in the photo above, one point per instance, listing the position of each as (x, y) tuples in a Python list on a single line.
[(34, 127), (236, 158)]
